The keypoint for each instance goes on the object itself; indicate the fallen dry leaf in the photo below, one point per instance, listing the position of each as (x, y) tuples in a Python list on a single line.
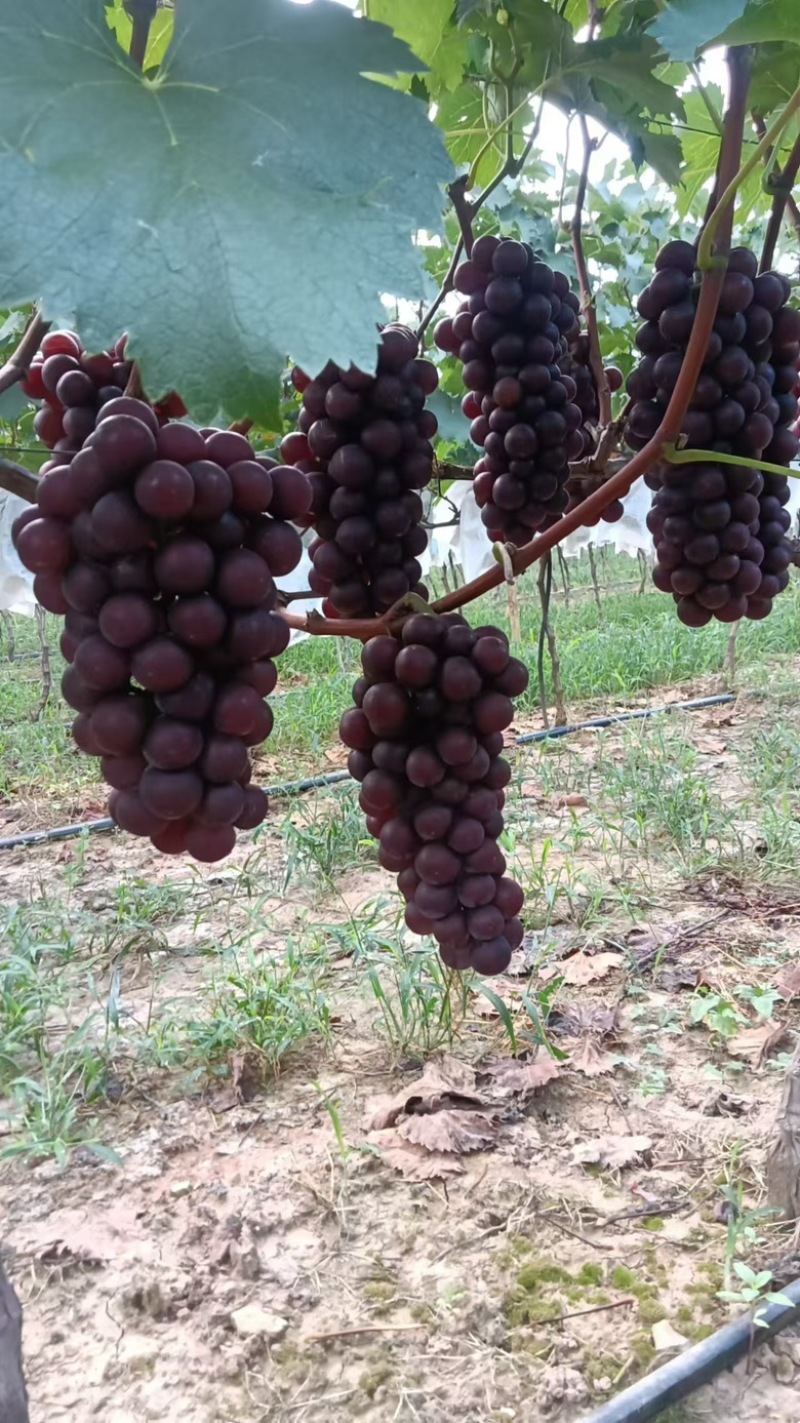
[(665, 1337), (788, 981), (416, 1164), (591, 1059), (443, 1080), (531, 790), (710, 745), (582, 968), (645, 942), (508, 1077), (615, 1152), (450, 1132), (579, 1020), (572, 801), (757, 1043)]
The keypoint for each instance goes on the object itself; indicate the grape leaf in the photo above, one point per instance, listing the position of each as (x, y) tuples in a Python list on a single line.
[(253, 200), (685, 26), (767, 20), (424, 26)]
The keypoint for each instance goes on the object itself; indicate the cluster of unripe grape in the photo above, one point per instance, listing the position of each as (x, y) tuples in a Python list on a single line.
[(426, 736), (365, 442), (720, 529), (159, 544)]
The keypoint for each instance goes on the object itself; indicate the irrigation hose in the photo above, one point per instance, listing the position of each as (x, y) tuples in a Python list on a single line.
[(332, 778), (652, 1395)]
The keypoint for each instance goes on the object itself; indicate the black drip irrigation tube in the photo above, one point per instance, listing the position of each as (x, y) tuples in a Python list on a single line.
[(333, 778), (701, 1364)]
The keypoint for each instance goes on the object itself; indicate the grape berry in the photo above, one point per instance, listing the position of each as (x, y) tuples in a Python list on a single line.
[(425, 737)]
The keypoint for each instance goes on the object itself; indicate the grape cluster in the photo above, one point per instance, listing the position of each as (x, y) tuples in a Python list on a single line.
[(365, 442), (74, 386), (155, 544), (426, 735), (577, 364), (719, 529), (511, 333)]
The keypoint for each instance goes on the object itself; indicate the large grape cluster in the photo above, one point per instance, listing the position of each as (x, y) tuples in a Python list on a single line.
[(426, 735), (511, 333), (155, 544), (365, 441), (73, 385), (719, 529)]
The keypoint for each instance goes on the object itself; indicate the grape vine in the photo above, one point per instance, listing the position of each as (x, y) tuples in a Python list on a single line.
[(161, 541)]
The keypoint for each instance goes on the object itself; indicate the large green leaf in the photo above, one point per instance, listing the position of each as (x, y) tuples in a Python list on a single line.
[(253, 200), (765, 21), (462, 119), (425, 25), (686, 26), (776, 75)]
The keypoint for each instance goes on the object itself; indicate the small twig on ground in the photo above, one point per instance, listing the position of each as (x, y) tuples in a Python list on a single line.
[(576, 1234), (364, 1329), (595, 1309)]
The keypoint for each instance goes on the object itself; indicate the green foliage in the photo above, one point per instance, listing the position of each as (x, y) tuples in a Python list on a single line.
[(213, 186), (684, 27), (275, 178)]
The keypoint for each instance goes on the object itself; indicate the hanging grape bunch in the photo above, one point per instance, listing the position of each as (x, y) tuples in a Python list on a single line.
[(510, 333), (155, 544), (577, 364), (365, 441), (719, 530), (426, 735), (73, 385)]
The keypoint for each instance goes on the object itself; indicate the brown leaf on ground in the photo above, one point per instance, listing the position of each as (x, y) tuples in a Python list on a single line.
[(572, 801), (450, 1132), (756, 1044), (646, 942), (579, 1020), (246, 1076), (591, 1059), (507, 1077), (417, 1164), (710, 745), (531, 790), (583, 968), (443, 1081), (788, 981), (677, 976), (615, 1152)]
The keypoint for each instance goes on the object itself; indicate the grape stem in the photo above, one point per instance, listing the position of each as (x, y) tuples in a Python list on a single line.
[(19, 362), (587, 298), (142, 13), (16, 479), (675, 456), (706, 250), (781, 185), (617, 487)]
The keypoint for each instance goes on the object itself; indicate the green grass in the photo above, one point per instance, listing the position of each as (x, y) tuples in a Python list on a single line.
[(628, 646)]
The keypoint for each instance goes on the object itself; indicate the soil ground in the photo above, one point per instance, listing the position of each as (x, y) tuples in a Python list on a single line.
[(270, 1164)]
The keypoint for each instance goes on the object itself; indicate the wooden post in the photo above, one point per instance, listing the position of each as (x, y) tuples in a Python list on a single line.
[(595, 585), (783, 1159), (13, 1394)]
